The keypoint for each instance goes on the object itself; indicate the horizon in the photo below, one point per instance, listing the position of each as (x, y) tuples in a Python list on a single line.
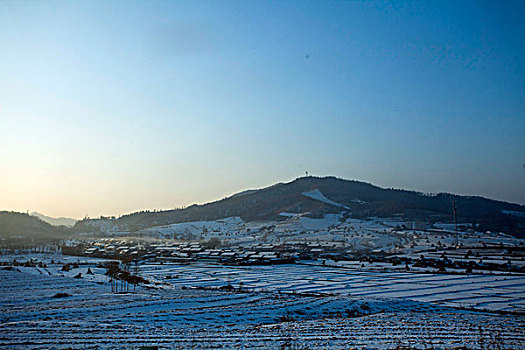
[(31, 212), (110, 108)]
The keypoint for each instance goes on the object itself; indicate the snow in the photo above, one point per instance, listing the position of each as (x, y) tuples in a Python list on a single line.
[(319, 196), (291, 215), (304, 305), (195, 227), (345, 279), (285, 306), (520, 214), (269, 318)]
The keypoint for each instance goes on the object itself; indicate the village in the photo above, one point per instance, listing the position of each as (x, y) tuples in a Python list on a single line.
[(186, 252), (468, 258)]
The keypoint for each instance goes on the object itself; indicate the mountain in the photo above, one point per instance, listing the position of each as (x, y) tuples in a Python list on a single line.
[(318, 196), (27, 229), (55, 221)]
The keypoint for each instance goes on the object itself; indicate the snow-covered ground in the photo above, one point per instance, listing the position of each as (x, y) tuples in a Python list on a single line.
[(492, 292), (286, 306), (196, 228), (315, 304), (319, 196)]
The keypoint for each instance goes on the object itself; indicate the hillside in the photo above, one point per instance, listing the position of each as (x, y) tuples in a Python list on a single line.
[(27, 229), (320, 196)]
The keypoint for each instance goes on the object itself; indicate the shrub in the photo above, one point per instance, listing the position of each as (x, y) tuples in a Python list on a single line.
[(61, 295)]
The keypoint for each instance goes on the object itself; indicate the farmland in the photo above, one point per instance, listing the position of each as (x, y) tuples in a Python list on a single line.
[(299, 305)]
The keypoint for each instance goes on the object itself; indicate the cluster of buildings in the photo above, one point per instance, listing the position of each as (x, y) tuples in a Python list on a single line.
[(185, 252)]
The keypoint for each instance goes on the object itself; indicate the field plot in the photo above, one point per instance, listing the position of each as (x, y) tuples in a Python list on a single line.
[(504, 292), (289, 306)]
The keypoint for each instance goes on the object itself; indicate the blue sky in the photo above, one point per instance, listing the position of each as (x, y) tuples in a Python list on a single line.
[(111, 107)]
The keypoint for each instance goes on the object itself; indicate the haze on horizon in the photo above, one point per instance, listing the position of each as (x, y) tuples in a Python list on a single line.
[(112, 107)]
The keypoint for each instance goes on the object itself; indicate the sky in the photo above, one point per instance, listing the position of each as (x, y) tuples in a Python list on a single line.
[(109, 107)]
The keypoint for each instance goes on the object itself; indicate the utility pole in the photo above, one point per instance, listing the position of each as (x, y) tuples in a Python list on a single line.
[(455, 222)]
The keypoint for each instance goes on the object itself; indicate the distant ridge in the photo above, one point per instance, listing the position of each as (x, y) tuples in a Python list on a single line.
[(318, 196), (28, 229), (55, 221)]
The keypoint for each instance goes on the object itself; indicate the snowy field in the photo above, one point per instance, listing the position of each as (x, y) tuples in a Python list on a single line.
[(493, 292), (272, 307)]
